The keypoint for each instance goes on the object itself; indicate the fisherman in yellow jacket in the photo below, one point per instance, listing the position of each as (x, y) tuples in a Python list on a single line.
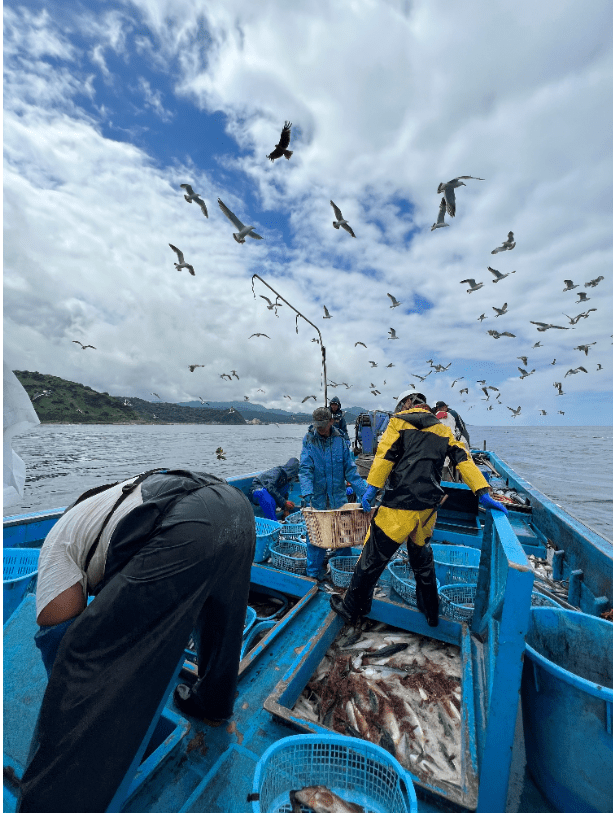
[(410, 455)]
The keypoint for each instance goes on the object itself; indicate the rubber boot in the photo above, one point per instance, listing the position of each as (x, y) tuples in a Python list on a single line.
[(421, 560)]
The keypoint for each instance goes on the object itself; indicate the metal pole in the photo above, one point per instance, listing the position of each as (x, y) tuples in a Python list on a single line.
[(299, 314), (485, 444)]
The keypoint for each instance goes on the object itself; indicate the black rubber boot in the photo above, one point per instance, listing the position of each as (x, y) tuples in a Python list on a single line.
[(188, 704), (421, 560), (337, 605)]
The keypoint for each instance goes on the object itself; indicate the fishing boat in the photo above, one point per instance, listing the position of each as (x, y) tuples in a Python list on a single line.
[(536, 557)]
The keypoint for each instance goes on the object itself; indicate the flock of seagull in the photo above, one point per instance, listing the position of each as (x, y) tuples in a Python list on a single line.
[(447, 207)]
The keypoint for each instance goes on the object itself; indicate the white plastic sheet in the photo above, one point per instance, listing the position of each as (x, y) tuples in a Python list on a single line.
[(19, 416)]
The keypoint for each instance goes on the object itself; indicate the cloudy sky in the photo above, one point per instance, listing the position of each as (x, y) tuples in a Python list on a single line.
[(109, 107)]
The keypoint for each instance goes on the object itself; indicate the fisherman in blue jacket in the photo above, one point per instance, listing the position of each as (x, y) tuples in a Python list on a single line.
[(270, 489), (338, 416), (326, 466)]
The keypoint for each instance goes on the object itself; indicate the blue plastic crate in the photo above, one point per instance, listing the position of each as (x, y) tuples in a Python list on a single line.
[(456, 565), (19, 568), (266, 533), (403, 581), (341, 569), (283, 556), (295, 518), (538, 599), (295, 532), (354, 769), (250, 619), (458, 601)]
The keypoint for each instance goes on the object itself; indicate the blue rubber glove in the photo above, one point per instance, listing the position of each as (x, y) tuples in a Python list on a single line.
[(306, 500), (368, 497), (488, 502)]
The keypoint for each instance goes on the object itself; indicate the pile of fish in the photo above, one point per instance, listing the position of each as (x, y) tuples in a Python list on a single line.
[(396, 689), (544, 583)]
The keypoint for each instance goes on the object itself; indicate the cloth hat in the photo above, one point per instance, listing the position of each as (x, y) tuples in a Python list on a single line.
[(321, 417), (439, 405)]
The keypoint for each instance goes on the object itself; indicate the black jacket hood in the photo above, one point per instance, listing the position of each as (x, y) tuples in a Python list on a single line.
[(420, 419)]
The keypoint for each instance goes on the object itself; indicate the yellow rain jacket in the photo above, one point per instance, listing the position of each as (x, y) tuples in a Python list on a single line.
[(410, 456)]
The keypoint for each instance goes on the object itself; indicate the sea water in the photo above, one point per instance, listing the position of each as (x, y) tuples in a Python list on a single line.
[(571, 465)]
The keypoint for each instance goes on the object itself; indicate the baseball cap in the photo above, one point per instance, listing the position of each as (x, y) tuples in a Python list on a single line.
[(321, 417)]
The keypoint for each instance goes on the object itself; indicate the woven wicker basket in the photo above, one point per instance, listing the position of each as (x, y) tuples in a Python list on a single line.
[(333, 529)]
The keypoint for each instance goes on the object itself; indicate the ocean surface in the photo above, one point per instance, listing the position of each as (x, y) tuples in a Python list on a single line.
[(573, 466)]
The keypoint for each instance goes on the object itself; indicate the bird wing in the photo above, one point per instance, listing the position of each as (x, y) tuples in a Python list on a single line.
[(536, 323), (449, 199), (507, 334), (202, 205), (393, 299), (495, 272), (441, 211), (349, 230), (268, 300), (359, 343), (471, 281), (504, 307), (337, 212), (476, 178), (523, 370), (188, 189), (582, 369), (569, 283), (229, 214), (179, 253), (78, 342), (285, 136), (510, 237), (551, 326)]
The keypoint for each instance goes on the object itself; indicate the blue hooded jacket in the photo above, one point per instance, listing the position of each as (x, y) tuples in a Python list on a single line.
[(277, 481), (325, 466)]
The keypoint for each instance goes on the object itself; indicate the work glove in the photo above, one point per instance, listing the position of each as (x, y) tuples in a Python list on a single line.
[(368, 497), (489, 503), (306, 500), (289, 505)]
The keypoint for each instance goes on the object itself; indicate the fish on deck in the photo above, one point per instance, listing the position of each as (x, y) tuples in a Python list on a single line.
[(321, 800)]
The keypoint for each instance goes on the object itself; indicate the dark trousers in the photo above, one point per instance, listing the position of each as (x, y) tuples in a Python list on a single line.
[(116, 660), (378, 551)]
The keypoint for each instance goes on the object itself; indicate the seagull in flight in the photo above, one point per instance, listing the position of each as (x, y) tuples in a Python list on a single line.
[(537, 344), (523, 359), (456, 380), (257, 334), (599, 367), (271, 305), (246, 399), (448, 189), (281, 146), (498, 276), (558, 385), (585, 347), (310, 396), (515, 411), (575, 370), (192, 196), (473, 285), (359, 343), (182, 264), (463, 390), (78, 342), (561, 412), (314, 340), (438, 368), (375, 392), (594, 282), (220, 453), (481, 382), (153, 394), (544, 326), (485, 392), (543, 413), (508, 244), (525, 373), (440, 221), (340, 221), (373, 364), (243, 230), (420, 378), (327, 314), (500, 312), (394, 301), (393, 335), (226, 376), (233, 372), (497, 335), (390, 365), (553, 362), (287, 396), (482, 317), (570, 285), (193, 367), (583, 298), (203, 401)]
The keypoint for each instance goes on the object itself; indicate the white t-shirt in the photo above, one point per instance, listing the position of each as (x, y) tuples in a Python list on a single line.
[(65, 549)]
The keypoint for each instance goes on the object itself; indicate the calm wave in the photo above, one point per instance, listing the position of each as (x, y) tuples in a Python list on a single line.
[(570, 465)]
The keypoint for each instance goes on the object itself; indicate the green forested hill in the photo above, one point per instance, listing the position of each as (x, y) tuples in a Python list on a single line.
[(58, 400)]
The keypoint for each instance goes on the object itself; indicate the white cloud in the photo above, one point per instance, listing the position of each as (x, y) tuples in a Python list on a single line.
[(387, 101)]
